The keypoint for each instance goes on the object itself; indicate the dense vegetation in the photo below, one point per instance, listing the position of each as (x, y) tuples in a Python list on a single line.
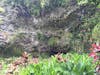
[(53, 37), (71, 64)]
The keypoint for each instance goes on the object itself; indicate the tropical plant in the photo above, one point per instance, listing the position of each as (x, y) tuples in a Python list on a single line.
[(75, 64)]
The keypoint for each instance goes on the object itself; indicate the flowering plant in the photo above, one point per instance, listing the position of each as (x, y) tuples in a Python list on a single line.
[(94, 54), (94, 50)]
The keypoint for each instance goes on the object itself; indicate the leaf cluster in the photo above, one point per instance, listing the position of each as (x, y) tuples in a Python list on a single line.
[(75, 65)]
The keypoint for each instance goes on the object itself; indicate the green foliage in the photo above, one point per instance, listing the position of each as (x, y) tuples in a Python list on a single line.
[(95, 2), (43, 3), (66, 38), (57, 3), (83, 35), (96, 32), (75, 65), (98, 6), (42, 68), (13, 50), (80, 2), (53, 41), (41, 37), (38, 6), (35, 8), (81, 64)]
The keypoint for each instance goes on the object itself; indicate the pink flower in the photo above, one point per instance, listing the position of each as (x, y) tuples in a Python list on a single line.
[(98, 47), (92, 54), (96, 50), (94, 45)]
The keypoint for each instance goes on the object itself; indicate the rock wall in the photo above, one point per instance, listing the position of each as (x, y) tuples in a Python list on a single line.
[(49, 32)]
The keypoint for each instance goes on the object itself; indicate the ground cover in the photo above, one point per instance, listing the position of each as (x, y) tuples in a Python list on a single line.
[(59, 64)]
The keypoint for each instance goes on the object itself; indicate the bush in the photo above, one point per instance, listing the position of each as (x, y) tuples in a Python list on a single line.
[(75, 65)]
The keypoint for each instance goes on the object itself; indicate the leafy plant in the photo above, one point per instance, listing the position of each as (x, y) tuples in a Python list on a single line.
[(75, 65), (42, 68), (79, 65), (95, 49)]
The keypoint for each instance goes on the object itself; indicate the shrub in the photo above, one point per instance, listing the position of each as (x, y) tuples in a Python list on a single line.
[(75, 65)]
